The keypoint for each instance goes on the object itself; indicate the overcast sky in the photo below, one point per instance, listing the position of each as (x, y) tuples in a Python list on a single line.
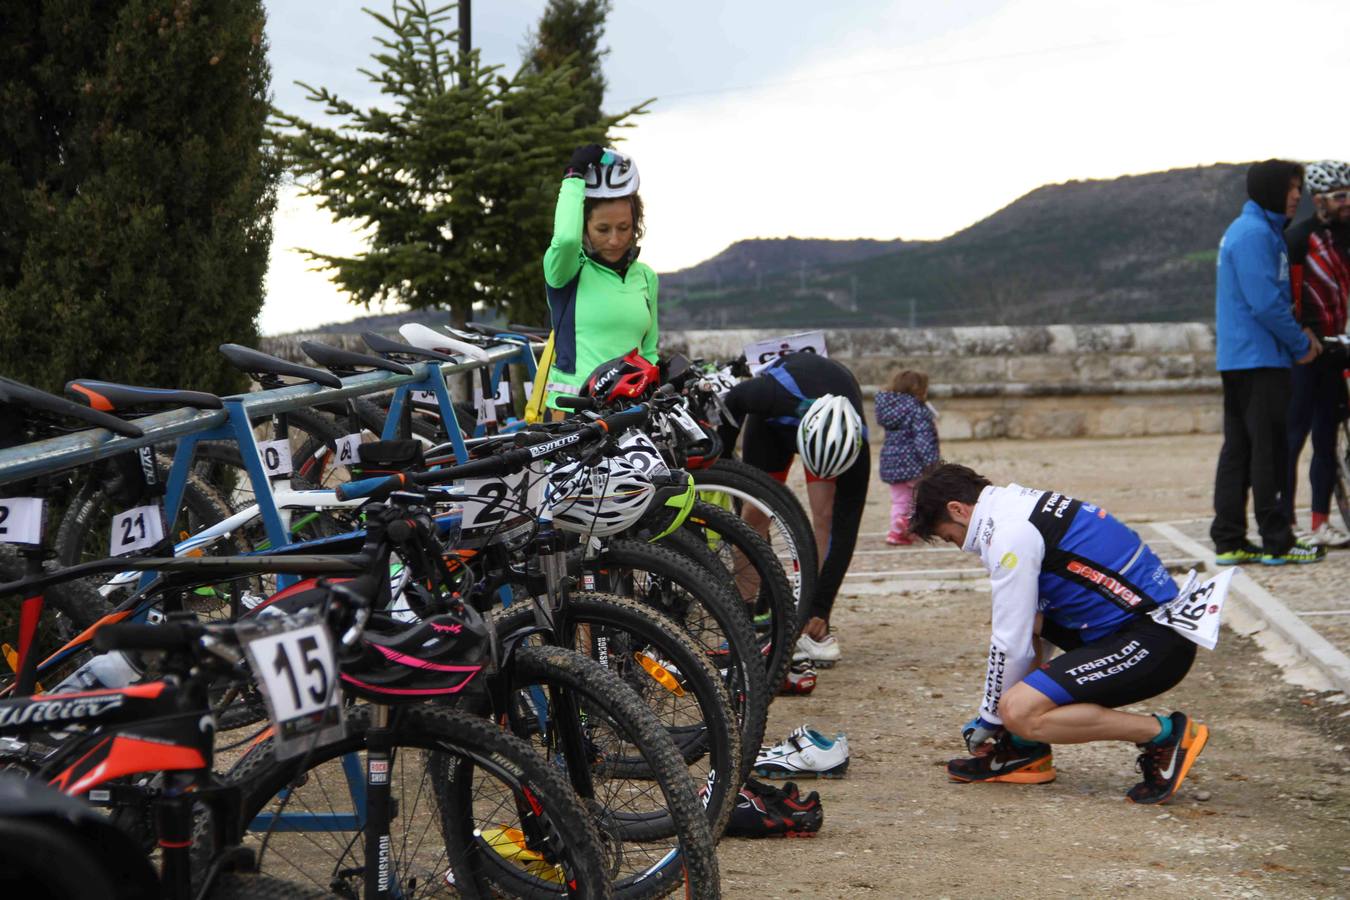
[(877, 119)]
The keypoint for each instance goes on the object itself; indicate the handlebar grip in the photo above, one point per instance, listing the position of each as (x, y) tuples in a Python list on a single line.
[(135, 636), (567, 401), (370, 487), (634, 417)]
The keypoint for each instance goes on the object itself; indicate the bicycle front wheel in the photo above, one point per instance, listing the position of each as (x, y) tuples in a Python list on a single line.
[(471, 806)]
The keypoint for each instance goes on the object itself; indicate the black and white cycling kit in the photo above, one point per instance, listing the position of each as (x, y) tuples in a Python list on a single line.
[(766, 406), (1091, 578)]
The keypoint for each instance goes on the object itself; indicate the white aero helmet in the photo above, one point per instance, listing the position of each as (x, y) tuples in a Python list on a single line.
[(829, 437), (615, 176), (598, 500), (1327, 175)]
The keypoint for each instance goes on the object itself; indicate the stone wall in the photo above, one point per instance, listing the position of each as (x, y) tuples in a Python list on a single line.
[(1017, 382), (1029, 382)]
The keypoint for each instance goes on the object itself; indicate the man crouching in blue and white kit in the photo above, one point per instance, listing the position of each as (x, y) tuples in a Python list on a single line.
[(1067, 573)]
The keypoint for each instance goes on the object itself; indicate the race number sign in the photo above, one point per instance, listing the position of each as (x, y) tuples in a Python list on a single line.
[(760, 353), (1195, 613), (641, 451), (136, 529), (348, 449), (21, 520), (423, 397), (489, 502), (276, 457), (487, 412), (297, 671)]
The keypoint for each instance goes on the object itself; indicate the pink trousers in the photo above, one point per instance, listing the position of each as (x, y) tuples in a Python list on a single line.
[(902, 496)]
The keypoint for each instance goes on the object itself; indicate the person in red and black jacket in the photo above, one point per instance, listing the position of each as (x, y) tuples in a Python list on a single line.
[(1319, 263)]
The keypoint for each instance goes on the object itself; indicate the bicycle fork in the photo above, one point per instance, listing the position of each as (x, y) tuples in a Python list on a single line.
[(380, 878)]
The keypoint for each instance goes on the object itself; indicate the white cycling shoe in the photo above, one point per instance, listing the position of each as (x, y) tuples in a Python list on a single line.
[(1326, 535), (823, 654), (805, 754)]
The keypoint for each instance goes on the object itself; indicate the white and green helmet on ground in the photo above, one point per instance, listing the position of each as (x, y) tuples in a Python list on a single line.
[(830, 436)]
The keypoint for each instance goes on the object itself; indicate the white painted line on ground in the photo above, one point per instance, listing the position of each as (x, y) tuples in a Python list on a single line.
[(961, 574), (1329, 660), (1325, 612)]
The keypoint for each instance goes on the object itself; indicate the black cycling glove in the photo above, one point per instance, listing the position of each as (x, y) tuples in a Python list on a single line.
[(582, 159)]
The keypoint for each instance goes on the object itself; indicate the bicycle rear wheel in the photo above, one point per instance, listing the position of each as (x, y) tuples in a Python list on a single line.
[(1343, 471), (748, 562), (789, 530)]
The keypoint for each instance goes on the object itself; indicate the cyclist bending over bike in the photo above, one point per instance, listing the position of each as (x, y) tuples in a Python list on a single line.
[(1066, 572), (804, 403)]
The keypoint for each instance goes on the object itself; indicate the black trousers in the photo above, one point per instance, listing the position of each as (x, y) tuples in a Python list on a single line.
[(1255, 458), (1316, 406)]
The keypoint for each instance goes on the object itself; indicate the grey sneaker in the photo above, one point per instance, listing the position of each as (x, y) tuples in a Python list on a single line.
[(1299, 554)]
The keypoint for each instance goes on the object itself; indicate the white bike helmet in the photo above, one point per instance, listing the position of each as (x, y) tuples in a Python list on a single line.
[(598, 500), (829, 437), (1327, 175), (615, 176)]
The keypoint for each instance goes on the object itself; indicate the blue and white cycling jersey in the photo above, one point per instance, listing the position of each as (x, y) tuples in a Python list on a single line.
[(1048, 553)]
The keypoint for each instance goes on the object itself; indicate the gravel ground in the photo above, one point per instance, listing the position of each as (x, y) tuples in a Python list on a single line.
[(1265, 812)]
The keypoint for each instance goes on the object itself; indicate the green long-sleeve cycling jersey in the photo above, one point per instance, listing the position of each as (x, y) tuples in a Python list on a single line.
[(598, 313)]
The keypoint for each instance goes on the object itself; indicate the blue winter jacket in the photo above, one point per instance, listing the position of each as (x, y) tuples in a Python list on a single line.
[(1253, 304)]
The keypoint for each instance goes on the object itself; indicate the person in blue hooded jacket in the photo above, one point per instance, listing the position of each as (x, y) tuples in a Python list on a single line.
[(1258, 341)]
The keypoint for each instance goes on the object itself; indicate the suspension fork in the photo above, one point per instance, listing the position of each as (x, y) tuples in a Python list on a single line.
[(566, 712), (381, 880)]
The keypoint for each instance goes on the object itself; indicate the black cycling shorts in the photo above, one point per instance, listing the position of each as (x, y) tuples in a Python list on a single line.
[(1142, 660)]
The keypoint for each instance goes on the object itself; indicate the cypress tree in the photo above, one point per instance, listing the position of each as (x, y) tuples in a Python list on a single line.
[(136, 190), (454, 174), (569, 35)]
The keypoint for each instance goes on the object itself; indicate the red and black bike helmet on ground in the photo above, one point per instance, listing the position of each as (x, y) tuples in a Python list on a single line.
[(623, 378)]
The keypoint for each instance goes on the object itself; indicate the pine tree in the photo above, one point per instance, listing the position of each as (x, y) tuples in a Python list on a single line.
[(136, 192), (454, 175), (569, 34)]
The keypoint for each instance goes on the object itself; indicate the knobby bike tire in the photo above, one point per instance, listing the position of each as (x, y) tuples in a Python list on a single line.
[(789, 522), (77, 540), (716, 619), (68, 609), (750, 563), (453, 755), (703, 727), (1342, 486), (601, 696)]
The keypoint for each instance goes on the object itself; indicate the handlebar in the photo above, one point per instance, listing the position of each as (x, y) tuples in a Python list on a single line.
[(507, 463), (136, 636), (567, 401)]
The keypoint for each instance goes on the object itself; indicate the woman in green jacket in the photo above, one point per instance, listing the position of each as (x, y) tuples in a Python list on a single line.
[(601, 300)]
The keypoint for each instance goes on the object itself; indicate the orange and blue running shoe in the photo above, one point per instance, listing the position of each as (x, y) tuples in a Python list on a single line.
[(1165, 765), (1027, 764)]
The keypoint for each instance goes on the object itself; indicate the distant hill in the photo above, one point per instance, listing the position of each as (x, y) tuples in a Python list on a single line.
[(751, 259), (1137, 248), (1140, 248)]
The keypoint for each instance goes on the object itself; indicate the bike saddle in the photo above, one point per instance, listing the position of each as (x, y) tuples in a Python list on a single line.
[(30, 399), (430, 339), (107, 396), (348, 362), (401, 352), (267, 369)]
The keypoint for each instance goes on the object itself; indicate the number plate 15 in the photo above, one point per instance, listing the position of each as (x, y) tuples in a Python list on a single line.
[(298, 673)]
